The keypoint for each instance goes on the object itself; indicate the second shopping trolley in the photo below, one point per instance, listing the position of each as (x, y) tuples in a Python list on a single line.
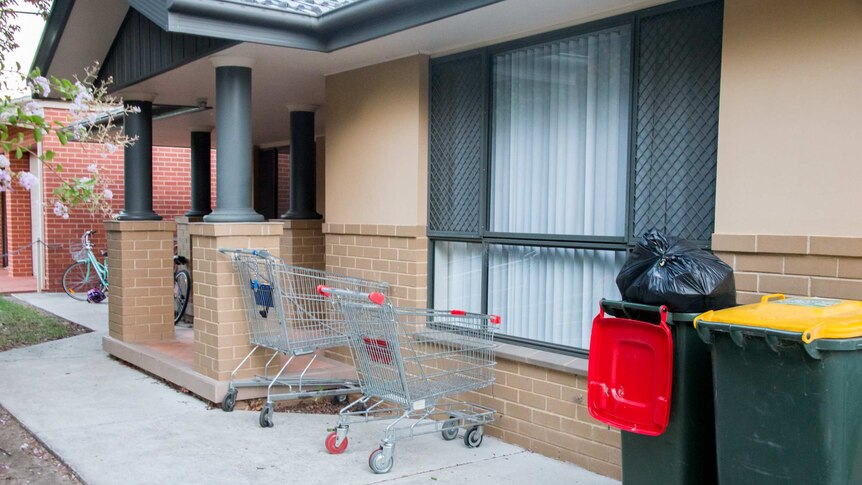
[(287, 315), (411, 362)]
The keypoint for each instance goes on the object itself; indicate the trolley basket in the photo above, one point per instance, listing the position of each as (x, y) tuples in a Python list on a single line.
[(412, 361), (287, 315)]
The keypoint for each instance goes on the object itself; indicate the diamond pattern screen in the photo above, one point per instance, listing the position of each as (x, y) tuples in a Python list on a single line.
[(456, 138), (677, 122)]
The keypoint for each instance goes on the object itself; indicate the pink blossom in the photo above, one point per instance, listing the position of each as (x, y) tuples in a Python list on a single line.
[(92, 168), (27, 180), (108, 194), (5, 181), (60, 210), (4, 162), (33, 108), (40, 86)]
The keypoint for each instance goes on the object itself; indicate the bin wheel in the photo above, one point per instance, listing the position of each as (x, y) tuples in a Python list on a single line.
[(473, 437), (330, 444), (450, 429), (229, 401), (378, 463), (266, 416)]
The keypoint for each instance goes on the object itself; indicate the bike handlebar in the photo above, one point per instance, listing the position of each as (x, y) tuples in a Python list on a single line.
[(85, 239)]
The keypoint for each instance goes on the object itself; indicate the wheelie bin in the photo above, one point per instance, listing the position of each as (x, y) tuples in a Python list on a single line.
[(685, 453), (788, 391)]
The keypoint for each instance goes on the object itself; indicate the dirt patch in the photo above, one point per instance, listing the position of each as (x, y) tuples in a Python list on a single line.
[(304, 406), (23, 460)]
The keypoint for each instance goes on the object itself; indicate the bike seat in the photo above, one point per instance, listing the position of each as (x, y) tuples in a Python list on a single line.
[(180, 260), (104, 252)]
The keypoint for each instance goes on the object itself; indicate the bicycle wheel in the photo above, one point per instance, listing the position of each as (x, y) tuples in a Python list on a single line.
[(182, 286), (79, 278)]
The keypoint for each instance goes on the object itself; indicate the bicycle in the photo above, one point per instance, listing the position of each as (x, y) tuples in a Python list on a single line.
[(182, 288), (86, 273)]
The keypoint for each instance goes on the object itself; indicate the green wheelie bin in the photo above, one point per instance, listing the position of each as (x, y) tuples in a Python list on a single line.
[(685, 453), (788, 391)]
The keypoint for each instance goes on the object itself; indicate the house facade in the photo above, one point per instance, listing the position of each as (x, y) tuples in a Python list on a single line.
[(502, 157)]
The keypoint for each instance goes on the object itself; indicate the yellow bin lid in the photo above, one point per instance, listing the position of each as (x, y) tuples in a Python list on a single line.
[(814, 318)]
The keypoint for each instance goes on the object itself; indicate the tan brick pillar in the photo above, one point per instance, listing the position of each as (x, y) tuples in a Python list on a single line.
[(140, 278), (302, 243), (221, 333)]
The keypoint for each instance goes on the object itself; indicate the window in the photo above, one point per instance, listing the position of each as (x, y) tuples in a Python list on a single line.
[(560, 136), (548, 155)]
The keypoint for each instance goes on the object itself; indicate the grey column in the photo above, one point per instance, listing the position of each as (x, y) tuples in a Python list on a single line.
[(138, 164), (234, 145), (200, 173), (303, 166)]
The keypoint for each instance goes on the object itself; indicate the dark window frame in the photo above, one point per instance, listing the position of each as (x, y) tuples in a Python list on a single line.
[(486, 238)]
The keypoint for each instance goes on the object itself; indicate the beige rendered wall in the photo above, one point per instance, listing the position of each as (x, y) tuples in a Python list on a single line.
[(376, 144), (790, 129)]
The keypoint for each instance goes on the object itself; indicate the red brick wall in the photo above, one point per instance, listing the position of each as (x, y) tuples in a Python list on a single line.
[(171, 192), (18, 223)]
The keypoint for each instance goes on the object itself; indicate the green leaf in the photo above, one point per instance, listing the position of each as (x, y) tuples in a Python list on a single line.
[(57, 167), (64, 139), (37, 134), (49, 155), (19, 153)]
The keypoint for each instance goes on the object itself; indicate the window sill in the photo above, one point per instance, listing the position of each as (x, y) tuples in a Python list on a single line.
[(543, 358)]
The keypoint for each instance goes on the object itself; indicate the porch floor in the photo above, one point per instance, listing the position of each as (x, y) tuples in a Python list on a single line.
[(15, 284), (173, 360)]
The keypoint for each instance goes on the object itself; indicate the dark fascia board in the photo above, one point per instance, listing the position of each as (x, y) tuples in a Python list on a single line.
[(51, 35), (356, 23), (246, 24), (155, 10), (370, 19)]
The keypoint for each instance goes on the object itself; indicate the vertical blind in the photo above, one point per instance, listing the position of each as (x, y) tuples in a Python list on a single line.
[(551, 294), (560, 131), (458, 276)]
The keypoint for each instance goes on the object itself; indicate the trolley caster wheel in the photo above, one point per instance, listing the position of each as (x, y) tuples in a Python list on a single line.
[(378, 462), (229, 401), (331, 447), (450, 429), (473, 437), (266, 416), (339, 399)]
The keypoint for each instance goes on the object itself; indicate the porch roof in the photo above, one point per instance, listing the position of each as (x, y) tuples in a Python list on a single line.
[(352, 36)]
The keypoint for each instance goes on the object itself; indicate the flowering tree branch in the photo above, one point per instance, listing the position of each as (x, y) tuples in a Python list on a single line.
[(90, 120)]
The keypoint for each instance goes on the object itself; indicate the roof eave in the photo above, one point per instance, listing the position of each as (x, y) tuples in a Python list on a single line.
[(51, 34)]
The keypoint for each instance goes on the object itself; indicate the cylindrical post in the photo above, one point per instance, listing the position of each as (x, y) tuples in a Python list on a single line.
[(138, 161), (200, 172), (234, 146), (303, 165)]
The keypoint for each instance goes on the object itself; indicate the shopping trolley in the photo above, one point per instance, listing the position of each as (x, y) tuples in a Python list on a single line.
[(411, 361), (286, 314)]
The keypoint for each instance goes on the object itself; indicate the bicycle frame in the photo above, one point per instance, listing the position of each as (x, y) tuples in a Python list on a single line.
[(100, 268)]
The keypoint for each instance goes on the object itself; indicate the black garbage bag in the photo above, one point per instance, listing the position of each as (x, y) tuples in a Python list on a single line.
[(669, 271)]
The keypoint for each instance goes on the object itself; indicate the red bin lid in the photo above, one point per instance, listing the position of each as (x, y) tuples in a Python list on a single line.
[(630, 371)]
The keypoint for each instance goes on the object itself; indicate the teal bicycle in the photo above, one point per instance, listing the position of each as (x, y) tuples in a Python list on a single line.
[(86, 273)]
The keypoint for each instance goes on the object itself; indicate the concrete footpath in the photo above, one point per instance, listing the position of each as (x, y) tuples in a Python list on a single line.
[(113, 424)]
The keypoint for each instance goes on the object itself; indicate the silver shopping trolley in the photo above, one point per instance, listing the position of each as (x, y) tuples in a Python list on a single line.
[(286, 314), (411, 361)]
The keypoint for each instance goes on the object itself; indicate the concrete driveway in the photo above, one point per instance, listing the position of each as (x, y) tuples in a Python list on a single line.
[(113, 424)]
